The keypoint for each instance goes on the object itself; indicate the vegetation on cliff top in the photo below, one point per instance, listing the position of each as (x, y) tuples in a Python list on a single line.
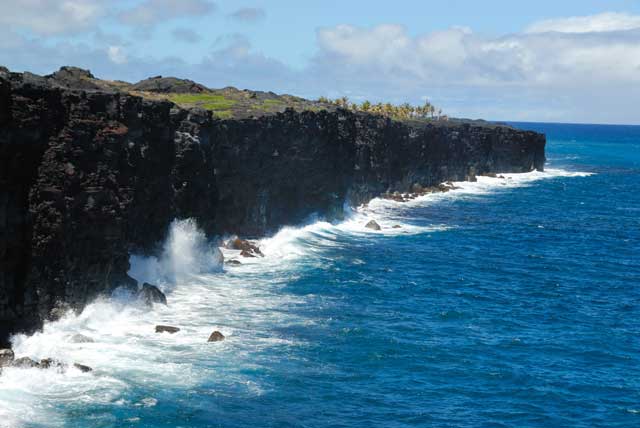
[(403, 111), (230, 102)]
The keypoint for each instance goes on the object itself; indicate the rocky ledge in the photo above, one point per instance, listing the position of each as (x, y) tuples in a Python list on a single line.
[(90, 175)]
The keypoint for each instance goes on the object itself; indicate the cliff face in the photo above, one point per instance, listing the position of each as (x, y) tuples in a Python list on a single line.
[(87, 177)]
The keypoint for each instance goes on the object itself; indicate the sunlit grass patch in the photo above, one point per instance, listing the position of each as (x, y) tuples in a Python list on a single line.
[(212, 102)]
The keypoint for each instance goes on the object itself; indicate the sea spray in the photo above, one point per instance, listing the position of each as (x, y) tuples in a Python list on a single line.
[(186, 252)]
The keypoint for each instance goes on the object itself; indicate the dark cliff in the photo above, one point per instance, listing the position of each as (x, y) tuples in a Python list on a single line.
[(89, 176)]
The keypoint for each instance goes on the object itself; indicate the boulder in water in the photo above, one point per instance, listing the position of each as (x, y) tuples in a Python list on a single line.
[(48, 363), (216, 336), (233, 262), (247, 248), (82, 368), (397, 226), (25, 363), (166, 329), (81, 338), (373, 225), (6, 357), (150, 294)]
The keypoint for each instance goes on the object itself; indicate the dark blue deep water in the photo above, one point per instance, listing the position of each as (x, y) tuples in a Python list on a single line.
[(516, 306)]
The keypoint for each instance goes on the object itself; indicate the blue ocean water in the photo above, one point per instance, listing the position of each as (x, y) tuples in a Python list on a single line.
[(508, 303)]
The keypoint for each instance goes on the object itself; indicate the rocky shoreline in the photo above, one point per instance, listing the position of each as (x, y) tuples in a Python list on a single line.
[(89, 176)]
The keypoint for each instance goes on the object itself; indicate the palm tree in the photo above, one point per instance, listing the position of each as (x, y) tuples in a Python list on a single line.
[(343, 102)]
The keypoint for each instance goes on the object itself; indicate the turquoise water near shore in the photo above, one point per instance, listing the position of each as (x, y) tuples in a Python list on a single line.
[(507, 303)]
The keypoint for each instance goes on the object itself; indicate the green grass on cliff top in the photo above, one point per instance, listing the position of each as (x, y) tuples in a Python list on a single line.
[(214, 102)]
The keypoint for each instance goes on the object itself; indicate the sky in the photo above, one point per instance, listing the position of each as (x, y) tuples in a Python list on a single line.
[(550, 60)]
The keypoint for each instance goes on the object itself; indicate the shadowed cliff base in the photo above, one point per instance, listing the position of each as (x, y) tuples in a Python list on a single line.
[(92, 172)]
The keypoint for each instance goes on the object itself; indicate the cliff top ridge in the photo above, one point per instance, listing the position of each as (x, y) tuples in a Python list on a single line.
[(228, 102)]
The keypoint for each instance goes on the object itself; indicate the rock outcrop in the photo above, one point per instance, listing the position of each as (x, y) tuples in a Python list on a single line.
[(166, 329), (169, 85), (88, 176), (6, 357), (150, 294), (81, 338), (82, 368), (216, 336), (25, 363), (373, 225), (247, 249), (47, 363)]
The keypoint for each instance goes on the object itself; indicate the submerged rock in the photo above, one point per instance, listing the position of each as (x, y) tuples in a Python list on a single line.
[(6, 357), (216, 336), (245, 253), (397, 226), (373, 225), (150, 294), (82, 368), (48, 363), (25, 363), (396, 196), (81, 338), (233, 262), (247, 248), (166, 329)]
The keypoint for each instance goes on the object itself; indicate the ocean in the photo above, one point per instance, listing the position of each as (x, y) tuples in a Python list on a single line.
[(509, 302)]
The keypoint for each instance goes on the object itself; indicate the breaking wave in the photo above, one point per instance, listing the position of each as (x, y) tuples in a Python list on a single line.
[(248, 303)]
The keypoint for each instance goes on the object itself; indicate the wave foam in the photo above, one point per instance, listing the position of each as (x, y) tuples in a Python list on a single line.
[(186, 252), (484, 186), (244, 304)]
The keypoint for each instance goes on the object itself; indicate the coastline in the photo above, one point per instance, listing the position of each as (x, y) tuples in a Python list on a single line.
[(97, 176)]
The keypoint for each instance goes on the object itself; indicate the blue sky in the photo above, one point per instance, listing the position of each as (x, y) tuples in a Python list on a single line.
[(569, 60)]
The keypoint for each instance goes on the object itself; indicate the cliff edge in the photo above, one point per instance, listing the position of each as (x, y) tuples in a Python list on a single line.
[(90, 173)]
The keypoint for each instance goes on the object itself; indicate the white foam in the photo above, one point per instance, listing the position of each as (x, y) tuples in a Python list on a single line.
[(246, 303), (126, 350), (186, 252), (484, 186)]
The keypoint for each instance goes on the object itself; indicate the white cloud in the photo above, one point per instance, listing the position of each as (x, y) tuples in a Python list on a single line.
[(567, 74), (536, 74), (609, 21), (458, 56), (117, 55), (152, 12), (50, 17)]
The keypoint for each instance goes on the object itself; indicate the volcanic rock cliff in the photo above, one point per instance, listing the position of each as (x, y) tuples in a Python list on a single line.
[(88, 176)]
